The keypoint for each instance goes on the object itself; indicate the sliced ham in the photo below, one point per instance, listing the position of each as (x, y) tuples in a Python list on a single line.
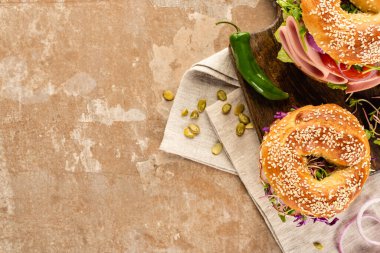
[(311, 63), (300, 60), (363, 85), (307, 60)]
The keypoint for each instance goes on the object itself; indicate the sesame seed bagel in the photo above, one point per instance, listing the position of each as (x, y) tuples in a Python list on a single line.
[(327, 131), (367, 5), (347, 38)]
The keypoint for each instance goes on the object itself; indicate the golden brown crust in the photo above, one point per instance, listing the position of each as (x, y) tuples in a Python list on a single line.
[(347, 38), (327, 131), (367, 5)]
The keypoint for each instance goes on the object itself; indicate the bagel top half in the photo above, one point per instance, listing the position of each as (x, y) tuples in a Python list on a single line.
[(367, 5), (327, 131), (346, 37)]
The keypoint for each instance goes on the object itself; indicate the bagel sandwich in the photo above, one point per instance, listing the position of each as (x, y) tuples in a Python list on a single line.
[(333, 41), (314, 162)]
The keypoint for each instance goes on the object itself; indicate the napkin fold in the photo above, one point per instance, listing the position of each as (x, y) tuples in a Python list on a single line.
[(202, 81), (241, 157)]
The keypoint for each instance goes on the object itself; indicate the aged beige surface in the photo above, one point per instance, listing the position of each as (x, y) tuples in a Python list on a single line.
[(82, 118)]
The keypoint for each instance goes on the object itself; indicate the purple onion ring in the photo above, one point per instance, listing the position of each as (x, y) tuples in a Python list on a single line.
[(313, 44)]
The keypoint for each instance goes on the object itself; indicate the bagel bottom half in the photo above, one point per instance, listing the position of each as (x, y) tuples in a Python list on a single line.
[(326, 131)]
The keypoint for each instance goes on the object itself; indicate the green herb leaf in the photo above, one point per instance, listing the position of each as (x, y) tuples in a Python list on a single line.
[(370, 68), (291, 8), (282, 217), (303, 31), (358, 67), (321, 174), (296, 13), (349, 7), (318, 175), (283, 56), (369, 134), (335, 86), (290, 212), (353, 102), (277, 33), (371, 115)]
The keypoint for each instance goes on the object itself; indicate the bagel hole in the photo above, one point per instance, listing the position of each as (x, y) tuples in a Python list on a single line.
[(319, 167)]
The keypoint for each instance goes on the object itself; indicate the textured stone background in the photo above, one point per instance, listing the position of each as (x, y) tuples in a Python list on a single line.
[(82, 118)]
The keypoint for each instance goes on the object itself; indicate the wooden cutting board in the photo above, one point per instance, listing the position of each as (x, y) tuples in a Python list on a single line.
[(302, 89)]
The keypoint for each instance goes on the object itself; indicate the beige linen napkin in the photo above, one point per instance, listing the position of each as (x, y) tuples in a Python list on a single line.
[(241, 157), (244, 155), (202, 81)]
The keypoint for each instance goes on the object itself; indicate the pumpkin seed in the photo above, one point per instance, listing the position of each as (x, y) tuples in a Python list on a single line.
[(249, 125), (217, 148), (240, 129), (239, 109), (188, 133), (194, 114), (244, 118), (226, 108), (184, 112), (221, 95), (318, 245), (168, 95), (194, 129), (201, 105)]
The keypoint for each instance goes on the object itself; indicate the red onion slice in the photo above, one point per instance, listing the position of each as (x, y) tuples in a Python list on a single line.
[(313, 44), (360, 218), (341, 236)]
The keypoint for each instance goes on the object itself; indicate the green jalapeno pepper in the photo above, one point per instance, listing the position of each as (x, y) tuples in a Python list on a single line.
[(249, 68)]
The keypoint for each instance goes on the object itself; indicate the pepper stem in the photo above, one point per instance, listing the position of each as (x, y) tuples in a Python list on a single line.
[(230, 23)]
